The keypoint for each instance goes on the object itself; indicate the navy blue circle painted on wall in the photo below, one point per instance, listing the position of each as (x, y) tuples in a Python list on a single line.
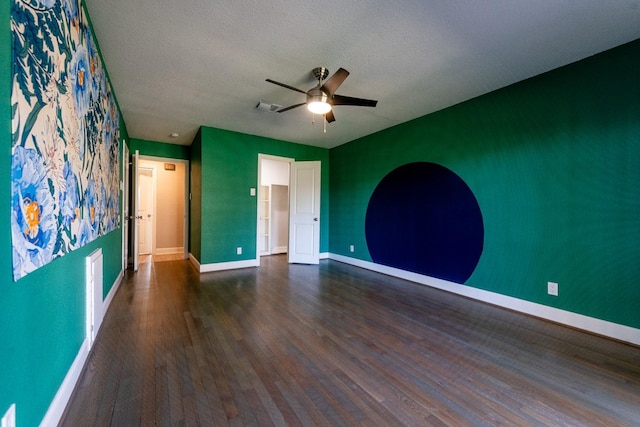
[(424, 218)]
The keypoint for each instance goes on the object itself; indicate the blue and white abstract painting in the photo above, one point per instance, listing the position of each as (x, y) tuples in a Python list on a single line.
[(65, 130)]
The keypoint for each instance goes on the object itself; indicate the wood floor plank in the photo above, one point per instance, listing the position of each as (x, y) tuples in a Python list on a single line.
[(333, 345)]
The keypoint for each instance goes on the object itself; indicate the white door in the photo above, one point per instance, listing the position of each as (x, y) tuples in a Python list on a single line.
[(145, 210), (304, 220), (125, 206), (134, 208)]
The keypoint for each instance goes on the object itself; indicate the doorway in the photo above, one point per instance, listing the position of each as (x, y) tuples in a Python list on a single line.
[(273, 205), (288, 209), (159, 226)]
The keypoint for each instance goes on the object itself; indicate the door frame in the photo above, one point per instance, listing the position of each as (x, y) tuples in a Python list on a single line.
[(185, 242), (124, 187), (262, 157), (134, 211)]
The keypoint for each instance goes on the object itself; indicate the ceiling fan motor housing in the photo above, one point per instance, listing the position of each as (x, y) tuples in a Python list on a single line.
[(316, 95)]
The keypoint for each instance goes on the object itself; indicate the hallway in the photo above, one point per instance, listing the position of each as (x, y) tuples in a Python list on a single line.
[(337, 345)]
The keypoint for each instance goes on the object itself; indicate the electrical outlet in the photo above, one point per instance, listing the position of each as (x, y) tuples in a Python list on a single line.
[(552, 288), (9, 419), (239, 250), (351, 248)]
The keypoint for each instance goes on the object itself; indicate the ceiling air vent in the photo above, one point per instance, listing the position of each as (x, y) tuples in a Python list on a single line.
[(271, 108)]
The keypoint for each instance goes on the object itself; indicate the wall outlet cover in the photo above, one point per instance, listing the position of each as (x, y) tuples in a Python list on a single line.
[(552, 288)]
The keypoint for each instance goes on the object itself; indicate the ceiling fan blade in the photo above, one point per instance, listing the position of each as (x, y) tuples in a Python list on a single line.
[(285, 85), (282, 110), (330, 117), (348, 100), (334, 82)]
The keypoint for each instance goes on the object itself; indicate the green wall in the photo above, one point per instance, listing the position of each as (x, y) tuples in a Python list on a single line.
[(554, 163), (229, 169), (195, 208), (42, 322), (158, 149)]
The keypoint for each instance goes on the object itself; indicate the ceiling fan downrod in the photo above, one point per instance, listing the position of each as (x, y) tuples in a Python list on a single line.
[(320, 73)]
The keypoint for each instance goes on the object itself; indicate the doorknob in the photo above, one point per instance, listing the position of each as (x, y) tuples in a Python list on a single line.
[(315, 219)]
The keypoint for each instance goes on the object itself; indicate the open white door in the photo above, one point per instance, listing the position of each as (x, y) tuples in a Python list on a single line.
[(146, 197), (125, 206), (304, 220), (134, 208)]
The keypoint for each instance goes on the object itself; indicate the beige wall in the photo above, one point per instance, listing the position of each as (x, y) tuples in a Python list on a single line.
[(169, 206)]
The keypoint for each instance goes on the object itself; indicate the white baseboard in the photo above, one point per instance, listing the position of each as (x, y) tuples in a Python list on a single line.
[(324, 255), (61, 399), (578, 321), (169, 251), (278, 250), (194, 262), (219, 266)]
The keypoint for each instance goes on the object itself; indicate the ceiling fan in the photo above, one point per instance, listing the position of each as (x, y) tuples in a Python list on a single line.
[(322, 98)]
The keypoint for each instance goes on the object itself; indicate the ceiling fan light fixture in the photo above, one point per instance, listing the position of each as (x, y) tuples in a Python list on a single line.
[(317, 101), (319, 107), (322, 98)]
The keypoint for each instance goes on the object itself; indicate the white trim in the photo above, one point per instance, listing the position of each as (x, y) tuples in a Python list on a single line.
[(61, 399), (194, 262), (124, 190), (187, 192), (575, 320), (59, 402), (278, 250), (94, 313), (219, 266), (324, 255), (169, 251), (261, 157)]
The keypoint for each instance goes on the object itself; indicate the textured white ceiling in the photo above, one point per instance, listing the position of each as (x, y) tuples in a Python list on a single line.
[(178, 64)]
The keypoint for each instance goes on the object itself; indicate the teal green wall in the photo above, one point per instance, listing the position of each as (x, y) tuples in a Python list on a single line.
[(229, 169), (195, 208), (554, 163), (158, 149), (42, 322)]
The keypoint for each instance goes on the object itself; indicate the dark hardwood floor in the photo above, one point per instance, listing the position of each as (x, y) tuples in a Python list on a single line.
[(337, 345)]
